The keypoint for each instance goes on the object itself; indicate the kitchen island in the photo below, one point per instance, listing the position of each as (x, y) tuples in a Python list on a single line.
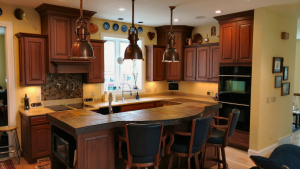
[(94, 134)]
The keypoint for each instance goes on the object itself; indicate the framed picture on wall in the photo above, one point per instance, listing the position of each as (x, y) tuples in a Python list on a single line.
[(285, 73), (285, 89), (277, 65), (278, 81)]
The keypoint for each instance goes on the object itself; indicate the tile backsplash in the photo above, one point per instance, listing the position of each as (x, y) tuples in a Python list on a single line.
[(51, 90)]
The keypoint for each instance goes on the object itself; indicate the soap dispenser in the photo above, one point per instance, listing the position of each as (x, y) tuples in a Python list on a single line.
[(137, 96)]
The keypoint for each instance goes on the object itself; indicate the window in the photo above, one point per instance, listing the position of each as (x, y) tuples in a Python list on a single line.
[(116, 71)]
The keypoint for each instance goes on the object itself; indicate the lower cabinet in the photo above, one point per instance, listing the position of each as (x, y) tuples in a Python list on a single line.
[(36, 139), (240, 140), (201, 63), (140, 106)]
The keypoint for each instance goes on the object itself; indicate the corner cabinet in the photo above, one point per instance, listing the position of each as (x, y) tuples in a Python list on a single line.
[(59, 23), (32, 59), (236, 37), (174, 70), (155, 68), (96, 69), (201, 63)]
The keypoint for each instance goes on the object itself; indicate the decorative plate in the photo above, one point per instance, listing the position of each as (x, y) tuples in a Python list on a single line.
[(106, 25), (93, 28), (115, 27), (124, 28), (0, 11), (197, 39), (140, 30)]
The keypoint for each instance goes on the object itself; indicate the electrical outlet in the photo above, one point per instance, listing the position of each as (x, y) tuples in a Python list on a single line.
[(38, 98), (212, 92), (271, 134), (93, 94), (268, 99), (273, 99)]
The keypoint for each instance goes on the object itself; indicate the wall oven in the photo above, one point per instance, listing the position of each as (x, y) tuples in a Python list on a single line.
[(64, 147), (235, 92)]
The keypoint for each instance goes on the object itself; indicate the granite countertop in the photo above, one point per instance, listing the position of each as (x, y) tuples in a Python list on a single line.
[(82, 121), (97, 105)]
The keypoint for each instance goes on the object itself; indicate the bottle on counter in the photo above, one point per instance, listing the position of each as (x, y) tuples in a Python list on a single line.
[(26, 102), (137, 96), (105, 96), (114, 98)]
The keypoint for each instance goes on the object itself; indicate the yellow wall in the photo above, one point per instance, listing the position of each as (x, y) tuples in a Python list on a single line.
[(277, 116), (206, 30), (2, 62), (297, 70)]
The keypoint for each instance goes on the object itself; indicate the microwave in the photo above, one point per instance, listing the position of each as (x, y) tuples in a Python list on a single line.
[(64, 147)]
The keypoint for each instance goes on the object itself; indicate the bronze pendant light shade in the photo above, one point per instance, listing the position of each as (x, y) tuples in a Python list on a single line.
[(133, 51), (82, 49), (171, 54)]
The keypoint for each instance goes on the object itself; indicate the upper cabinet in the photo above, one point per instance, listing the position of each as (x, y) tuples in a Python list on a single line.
[(174, 70), (236, 37), (96, 69), (201, 63), (32, 55), (59, 23), (155, 68)]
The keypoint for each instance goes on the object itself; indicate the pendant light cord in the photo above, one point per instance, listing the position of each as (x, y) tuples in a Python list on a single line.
[(133, 13), (171, 19), (81, 13)]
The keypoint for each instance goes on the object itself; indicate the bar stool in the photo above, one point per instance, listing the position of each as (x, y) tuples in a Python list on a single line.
[(143, 145), (13, 130)]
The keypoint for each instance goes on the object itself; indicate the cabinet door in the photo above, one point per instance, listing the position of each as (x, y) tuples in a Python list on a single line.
[(227, 43), (158, 65), (138, 106), (34, 61), (40, 141), (202, 70), (96, 69), (214, 64), (60, 39), (174, 69), (190, 64), (244, 41)]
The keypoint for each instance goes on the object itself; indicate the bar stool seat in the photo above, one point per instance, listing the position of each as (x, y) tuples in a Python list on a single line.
[(13, 130)]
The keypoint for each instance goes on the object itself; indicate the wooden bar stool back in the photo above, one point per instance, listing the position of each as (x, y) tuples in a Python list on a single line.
[(183, 144), (219, 136), (143, 145), (13, 130)]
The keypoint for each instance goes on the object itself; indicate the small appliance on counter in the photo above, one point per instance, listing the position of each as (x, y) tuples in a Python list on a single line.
[(26, 102)]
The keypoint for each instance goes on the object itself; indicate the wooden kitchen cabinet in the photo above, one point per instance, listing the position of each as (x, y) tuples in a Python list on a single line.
[(174, 70), (236, 37), (155, 68), (133, 107), (59, 23), (201, 63), (35, 137), (32, 59), (96, 69)]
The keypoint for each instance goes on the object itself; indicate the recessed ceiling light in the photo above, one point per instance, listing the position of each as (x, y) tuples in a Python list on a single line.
[(176, 20), (140, 22), (120, 19), (200, 17), (121, 9), (218, 11)]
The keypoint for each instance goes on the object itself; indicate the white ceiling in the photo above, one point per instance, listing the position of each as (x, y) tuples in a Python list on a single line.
[(156, 12), (2, 30)]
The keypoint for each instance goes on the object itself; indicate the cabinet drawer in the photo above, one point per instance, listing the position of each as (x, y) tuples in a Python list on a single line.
[(239, 140), (38, 120), (138, 106)]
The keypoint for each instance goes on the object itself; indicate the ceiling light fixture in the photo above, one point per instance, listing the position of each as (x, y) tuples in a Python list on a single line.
[(171, 54), (218, 11), (200, 17), (120, 19), (176, 20), (133, 51), (121, 9), (140, 22), (82, 49)]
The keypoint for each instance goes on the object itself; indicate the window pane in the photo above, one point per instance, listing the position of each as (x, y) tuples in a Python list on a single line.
[(110, 63), (127, 66)]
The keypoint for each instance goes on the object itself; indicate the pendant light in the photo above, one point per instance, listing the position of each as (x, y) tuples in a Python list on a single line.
[(171, 54), (82, 49), (133, 51)]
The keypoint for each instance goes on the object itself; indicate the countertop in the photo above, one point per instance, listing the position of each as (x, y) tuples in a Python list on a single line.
[(97, 105), (82, 121)]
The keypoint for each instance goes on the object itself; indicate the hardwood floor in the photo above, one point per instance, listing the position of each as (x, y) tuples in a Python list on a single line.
[(236, 159)]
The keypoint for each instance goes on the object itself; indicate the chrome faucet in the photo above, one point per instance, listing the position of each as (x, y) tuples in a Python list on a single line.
[(110, 110), (125, 91)]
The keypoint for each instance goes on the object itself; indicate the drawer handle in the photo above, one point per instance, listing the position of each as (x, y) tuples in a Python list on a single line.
[(41, 120), (242, 140)]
